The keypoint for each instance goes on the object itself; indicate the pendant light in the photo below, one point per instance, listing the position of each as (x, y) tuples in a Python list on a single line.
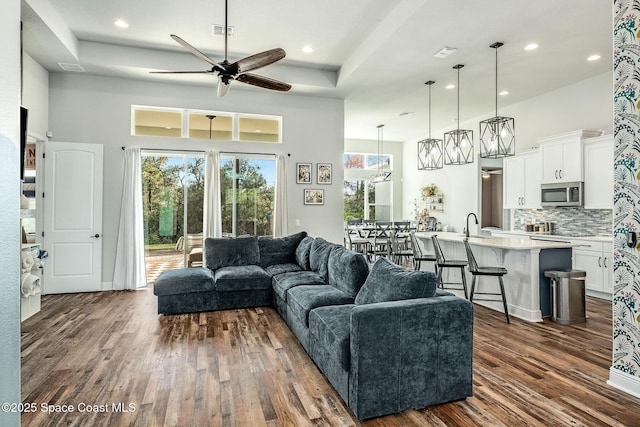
[(381, 175), (430, 150), (458, 144), (497, 134)]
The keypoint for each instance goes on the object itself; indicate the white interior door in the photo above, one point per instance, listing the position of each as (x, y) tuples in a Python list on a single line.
[(72, 215)]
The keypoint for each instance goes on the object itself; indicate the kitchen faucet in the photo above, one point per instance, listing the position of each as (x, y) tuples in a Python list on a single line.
[(466, 233)]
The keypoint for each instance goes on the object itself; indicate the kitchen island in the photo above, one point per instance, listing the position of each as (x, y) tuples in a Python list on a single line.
[(526, 288)]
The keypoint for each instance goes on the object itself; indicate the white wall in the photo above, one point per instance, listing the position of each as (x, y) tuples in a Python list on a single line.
[(584, 105), (10, 211), (85, 108), (389, 147), (35, 97)]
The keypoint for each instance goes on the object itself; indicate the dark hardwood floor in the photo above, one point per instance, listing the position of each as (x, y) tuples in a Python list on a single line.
[(245, 368)]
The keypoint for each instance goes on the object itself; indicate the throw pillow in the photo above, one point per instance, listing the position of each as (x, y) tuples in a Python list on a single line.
[(302, 253), (279, 250), (319, 256), (390, 282)]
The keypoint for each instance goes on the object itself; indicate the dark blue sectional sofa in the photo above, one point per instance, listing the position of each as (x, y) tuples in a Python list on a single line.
[(385, 337)]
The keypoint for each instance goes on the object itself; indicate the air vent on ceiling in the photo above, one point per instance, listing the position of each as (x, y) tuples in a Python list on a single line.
[(76, 68), (444, 52), (218, 30)]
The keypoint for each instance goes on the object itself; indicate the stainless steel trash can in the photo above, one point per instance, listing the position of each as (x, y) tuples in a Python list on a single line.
[(568, 296)]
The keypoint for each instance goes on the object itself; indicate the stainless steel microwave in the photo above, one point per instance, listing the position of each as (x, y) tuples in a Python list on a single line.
[(562, 194)]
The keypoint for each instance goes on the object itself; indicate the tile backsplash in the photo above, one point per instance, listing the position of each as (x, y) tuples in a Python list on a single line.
[(568, 221)]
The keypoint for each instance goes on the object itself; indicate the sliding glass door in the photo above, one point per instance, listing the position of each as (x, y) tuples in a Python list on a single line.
[(173, 191), (247, 184)]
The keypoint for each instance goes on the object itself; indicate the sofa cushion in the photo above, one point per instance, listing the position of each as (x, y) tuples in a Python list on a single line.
[(302, 299), (283, 282), (183, 281), (347, 270), (319, 256), (302, 253), (274, 270), (331, 325), (241, 278), (279, 250), (390, 282), (226, 252)]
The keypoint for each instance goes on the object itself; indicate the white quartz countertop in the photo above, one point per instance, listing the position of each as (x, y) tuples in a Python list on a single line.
[(543, 236), (523, 243)]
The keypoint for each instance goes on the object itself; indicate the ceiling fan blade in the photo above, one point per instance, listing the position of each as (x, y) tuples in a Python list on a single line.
[(197, 53), (181, 72), (260, 60), (265, 82)]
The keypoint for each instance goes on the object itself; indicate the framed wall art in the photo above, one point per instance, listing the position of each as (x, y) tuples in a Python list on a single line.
[(303, 173), (314, 197), (324, 173)]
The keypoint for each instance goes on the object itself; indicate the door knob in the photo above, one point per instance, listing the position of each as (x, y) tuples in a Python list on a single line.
[(95, 236)]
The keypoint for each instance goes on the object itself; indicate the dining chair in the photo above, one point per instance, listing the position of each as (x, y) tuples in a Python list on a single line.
[(399, 251), (379, 240)]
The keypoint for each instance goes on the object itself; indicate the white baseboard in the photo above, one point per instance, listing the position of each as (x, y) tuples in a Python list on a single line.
[(625, 382), (106, 286)]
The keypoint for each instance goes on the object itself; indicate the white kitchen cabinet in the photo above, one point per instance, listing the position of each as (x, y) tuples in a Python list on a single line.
[(561, 156), (598, 172), (596, 259), (522, 181)]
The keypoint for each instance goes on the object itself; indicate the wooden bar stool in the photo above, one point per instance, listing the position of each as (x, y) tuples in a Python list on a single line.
[(486, 271), (442, 263)]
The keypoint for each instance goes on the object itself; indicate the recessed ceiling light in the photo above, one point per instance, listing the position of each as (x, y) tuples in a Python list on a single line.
[(593, 57), (120, 23), (450, 86), (307, 49), (405, 113), (258, 131), (504, 92), (531, 46)]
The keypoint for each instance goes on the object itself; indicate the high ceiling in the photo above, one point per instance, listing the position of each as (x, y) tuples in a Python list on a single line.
[(375, 54)]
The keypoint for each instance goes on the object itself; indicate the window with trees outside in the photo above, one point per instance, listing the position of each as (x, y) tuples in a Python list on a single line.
[(173, 203), (362, 198)]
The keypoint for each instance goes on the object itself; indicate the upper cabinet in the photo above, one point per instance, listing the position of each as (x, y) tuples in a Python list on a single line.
[(598, 172), (561, 156), (522, 181)]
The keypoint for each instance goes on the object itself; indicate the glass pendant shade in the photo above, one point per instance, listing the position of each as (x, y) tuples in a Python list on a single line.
[(430, 154), (497, 134), (458, 144), (497, 137), (430, 150)]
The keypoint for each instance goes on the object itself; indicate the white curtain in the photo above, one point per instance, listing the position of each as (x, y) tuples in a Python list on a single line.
[(280, 216), (130, 271), (212, 226)]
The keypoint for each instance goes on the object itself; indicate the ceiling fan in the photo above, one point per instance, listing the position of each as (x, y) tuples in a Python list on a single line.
[(228, 72)]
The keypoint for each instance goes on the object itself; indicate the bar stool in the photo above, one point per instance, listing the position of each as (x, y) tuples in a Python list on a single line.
[(442, 263), (418, 256), (486, 271)]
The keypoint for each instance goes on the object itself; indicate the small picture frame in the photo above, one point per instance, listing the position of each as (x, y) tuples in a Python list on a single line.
[(323, 175), (314, 197), (303, 173)]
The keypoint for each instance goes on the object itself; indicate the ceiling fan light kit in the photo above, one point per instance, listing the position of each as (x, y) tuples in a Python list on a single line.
[(228, 72), (497, 134), (430, 149), (458, 143)]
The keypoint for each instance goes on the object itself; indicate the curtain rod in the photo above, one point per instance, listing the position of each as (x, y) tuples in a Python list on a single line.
[(203, 151)]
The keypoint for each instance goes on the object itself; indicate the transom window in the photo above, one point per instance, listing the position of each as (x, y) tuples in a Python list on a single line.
[(368, 161), (201, 124)]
